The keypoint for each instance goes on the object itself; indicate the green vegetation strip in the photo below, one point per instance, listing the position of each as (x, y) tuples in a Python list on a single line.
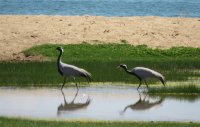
[(176, 64), (186, 89), (110, 52), (18, 122)]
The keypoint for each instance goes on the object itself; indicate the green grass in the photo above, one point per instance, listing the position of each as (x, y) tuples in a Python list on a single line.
[(179, 89), (45, 73), (176, 64), (190, 97), (112, 52), (17, 122)]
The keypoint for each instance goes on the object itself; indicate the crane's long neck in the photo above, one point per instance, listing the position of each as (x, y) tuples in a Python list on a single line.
[(127, 71), (132, 73), (59, 62)]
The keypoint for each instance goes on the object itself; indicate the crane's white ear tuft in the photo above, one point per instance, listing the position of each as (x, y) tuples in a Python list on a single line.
[(122, 66)]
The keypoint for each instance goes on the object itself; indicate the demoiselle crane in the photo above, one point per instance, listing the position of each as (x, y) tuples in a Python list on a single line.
[(143, 73), (67, 70)]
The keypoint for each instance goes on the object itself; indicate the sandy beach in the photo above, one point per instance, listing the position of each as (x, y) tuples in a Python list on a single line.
[(19, 32)]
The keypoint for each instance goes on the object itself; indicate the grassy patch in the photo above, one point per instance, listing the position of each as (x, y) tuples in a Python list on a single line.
[(17, 122), (176, 64), (46, 74), (179, 97), (110, 52), (186, 89)]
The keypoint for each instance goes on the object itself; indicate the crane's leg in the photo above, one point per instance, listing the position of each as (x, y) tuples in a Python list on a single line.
[(63, 82), (145, 97), (140, 96), (76, 84), (64, 97), (146, 84), (76, 91), (139, 84), (75, 96)]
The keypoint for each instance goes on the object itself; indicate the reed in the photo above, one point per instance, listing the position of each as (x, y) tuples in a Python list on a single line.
[(179, 89)]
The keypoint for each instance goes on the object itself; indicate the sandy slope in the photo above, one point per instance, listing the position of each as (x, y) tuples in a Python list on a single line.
[(20, 32)]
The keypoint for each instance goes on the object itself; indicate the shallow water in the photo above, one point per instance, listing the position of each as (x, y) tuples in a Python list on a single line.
[(99, 103), (169, 8)]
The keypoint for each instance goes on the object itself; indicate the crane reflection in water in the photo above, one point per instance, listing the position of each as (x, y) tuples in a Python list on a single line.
[(72, 105), (142, 104)]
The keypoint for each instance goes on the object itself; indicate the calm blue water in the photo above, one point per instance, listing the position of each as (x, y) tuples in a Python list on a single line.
[(169, 8)]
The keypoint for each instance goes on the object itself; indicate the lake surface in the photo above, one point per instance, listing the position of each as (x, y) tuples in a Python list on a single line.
[(97, 103), (169, 8)]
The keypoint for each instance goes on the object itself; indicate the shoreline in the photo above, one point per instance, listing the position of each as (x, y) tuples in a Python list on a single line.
[(86, 15), (19, 32)]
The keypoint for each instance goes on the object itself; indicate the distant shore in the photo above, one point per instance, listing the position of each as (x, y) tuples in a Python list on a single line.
[(19, 32)]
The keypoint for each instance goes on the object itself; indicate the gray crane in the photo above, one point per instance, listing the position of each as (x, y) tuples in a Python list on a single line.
[(68, 70), (143, 73)]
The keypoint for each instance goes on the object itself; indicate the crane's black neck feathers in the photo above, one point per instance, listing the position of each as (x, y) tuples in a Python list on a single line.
[(58, 63), (130, 72)]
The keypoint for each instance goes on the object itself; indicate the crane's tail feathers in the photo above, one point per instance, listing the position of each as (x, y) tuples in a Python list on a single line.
[(162, 79), (88, 78), (87, 75)]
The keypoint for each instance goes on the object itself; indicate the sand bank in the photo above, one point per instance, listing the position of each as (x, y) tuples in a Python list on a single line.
[(20, 32)]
